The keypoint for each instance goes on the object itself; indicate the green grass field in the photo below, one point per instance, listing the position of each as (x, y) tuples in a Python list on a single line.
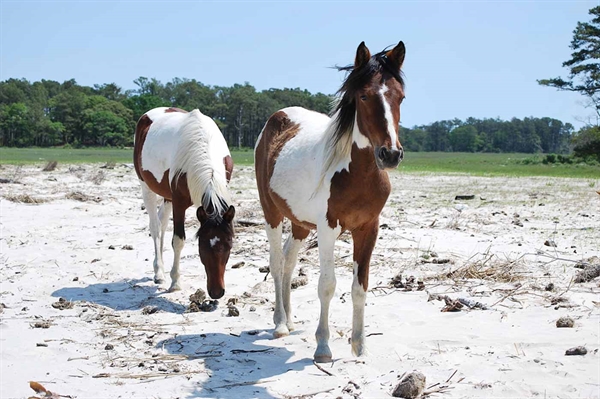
[(433, 162)]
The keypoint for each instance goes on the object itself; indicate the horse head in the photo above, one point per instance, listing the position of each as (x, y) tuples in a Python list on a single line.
[(376, 88), (215, 239)]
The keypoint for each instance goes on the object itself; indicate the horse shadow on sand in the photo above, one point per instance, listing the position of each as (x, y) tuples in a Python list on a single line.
[(122, 295), (237, 366)]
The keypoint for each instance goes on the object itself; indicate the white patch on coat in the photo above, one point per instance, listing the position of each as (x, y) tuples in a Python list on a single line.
[(189, 143), (301, 161), (389, 117), (214, 241)]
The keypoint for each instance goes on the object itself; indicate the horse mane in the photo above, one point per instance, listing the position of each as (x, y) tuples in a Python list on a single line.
[(206, 177), (343, 114)]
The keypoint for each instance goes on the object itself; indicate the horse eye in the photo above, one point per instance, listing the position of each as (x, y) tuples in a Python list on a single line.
[(363, 97)]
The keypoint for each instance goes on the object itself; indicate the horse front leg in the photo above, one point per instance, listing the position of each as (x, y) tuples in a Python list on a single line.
[(178, 241), (150, 202), (364, 240), (326, 237)]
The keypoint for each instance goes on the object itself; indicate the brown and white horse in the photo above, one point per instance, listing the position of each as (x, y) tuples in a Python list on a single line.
[(331, 174), (183, 157)]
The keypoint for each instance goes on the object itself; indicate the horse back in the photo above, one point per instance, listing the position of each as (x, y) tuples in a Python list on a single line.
[(154, 144)]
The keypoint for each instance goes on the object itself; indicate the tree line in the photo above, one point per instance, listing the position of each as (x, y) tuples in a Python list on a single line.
[(49, 113)]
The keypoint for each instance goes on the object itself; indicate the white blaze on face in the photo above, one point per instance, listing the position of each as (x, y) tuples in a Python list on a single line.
[(214, 241), (389, 117)]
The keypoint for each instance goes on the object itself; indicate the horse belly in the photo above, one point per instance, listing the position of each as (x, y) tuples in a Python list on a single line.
[(295, 180)]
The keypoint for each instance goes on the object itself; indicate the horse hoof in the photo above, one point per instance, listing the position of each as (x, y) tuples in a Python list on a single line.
[(291, 327), (322, 354), (358, 349), (322, 358), (281, 331), (174, 287), (159, 280)]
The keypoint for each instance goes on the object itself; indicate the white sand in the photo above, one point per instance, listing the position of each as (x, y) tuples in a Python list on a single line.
[(512, 350)]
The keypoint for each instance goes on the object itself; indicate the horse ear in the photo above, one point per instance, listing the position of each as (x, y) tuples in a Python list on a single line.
[(201, 214), (228, 216), (362, 55), (396, 55)]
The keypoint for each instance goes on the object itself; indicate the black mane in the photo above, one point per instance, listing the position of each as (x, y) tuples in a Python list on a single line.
[(356, 80)]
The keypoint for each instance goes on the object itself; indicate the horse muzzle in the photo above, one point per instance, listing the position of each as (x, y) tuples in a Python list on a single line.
[(388, 158), (216, 293)]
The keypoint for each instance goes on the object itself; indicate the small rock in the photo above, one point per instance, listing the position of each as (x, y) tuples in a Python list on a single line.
[(42, 344), (550, 243), (549, 287), (150, 310), (576, 351), (176, 370), (440, 261), (41, 324), (162, 368), (299, 281), (264, 269), (411, 386), (62, 304), (111, 247), (565, 322), (238, 265), (109, 347), (199, 296), (232, 301), (105, 290), (2, 307), (127, 247), (233, 311), (253, 308), (75, 278)]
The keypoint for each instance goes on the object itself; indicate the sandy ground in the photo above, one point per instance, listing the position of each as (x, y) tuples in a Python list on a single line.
[(125, 337)]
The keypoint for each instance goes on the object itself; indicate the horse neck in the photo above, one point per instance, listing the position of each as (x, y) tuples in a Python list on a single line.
[(205, 172), (342, 152)]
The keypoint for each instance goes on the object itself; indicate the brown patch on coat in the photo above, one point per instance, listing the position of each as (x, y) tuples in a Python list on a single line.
[(174, 109), (228, 162), (344, 200), (141, 130), (277, 132)]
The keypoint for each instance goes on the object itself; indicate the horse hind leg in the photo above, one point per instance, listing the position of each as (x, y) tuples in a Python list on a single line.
[(150, 201), (290, 253), (163, 215), (276, 260)]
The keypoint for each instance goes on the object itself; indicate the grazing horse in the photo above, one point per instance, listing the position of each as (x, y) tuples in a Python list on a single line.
[(331, 174), (183, 157)]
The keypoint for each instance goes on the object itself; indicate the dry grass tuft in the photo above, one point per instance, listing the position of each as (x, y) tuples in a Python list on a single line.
[(98, 178), (50, 166), (490, 268), (24, 199), (81, 197)]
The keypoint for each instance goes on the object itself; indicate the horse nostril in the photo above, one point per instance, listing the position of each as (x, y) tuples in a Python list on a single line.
[(382, 153)]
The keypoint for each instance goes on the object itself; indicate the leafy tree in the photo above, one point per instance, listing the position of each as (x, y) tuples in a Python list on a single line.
[(587, 143), (584, 67), (463, 138)]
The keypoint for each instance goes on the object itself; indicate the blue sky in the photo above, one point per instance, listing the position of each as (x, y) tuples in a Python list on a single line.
[(464, 58)]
